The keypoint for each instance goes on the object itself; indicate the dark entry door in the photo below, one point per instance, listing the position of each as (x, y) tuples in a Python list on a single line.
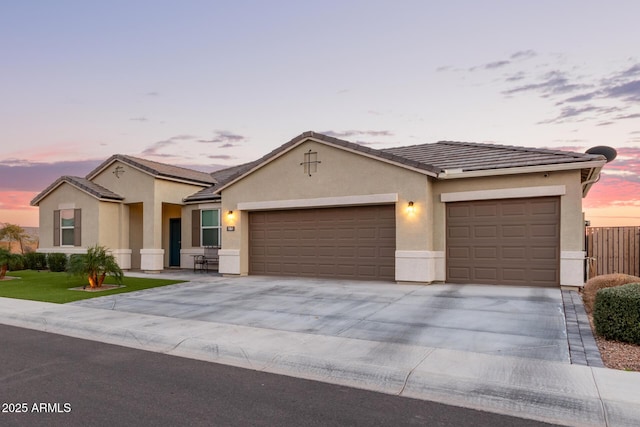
[(174, 241)]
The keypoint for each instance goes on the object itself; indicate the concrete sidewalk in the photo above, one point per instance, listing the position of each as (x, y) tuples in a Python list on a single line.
[(550, 391)]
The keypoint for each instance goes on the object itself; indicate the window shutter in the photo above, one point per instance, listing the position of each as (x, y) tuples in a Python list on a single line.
[(56, 228), (77, 227), (195, 228)]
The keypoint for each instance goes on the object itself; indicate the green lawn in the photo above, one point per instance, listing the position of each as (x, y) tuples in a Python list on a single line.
[(54, 287)]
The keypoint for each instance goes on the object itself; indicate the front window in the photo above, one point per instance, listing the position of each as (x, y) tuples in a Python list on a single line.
[(210, 227), (67, 227)]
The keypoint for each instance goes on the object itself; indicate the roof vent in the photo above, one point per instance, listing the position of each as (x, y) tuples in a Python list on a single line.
[(609, 153)]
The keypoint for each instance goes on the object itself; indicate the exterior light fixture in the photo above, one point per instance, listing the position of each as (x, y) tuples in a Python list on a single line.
[(230, 213), (410, 208)]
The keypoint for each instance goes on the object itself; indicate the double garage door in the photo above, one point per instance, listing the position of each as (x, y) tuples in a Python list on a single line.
[(510, 241), (356, 242)]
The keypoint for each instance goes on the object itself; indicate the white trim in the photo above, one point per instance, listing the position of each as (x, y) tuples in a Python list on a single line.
[(572, 268), (229, 261), (151, 260), (367, 199), (205, 206), (505, 193), (420, 266), (459, 173), (69, 250), (123, 257)]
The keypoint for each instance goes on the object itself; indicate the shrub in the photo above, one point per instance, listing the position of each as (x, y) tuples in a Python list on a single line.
[(35, 261), (16, 262), (601, 282), (57, 261), (616, 314)]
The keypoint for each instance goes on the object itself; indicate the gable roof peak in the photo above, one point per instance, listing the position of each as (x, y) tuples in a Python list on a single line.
[(81, 183), (156, 169)]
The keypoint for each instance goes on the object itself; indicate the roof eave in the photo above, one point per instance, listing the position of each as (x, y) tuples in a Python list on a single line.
[(592, 178), (457, 173), (36, 200), (151, 172)]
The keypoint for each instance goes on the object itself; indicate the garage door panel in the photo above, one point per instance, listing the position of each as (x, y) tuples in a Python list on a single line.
[(485, 211), (463, 231), (460, 211), (484, 273), (513, 241), (514, 231), (544, 207), (544, 230), (516, 275), (459, 253), (488, 252), (544, 253), (514, 253), (353, 242), (513, 209), (485, 231)]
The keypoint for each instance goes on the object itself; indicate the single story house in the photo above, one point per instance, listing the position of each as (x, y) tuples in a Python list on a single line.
[(319, 206)]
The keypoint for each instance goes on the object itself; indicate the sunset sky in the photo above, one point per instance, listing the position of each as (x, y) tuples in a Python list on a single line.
[(208, 84)]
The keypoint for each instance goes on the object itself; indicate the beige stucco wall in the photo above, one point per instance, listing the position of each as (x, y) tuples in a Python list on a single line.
[(139, 187), (341, 173), (103, 223)]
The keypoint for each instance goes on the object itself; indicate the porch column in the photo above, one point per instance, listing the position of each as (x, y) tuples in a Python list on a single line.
[(152, 254)]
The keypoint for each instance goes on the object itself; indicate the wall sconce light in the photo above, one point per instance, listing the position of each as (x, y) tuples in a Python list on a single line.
[(410, 208), (230, 213)]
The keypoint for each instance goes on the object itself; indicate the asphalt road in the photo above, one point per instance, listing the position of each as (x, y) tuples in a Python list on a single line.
[(55, 380)]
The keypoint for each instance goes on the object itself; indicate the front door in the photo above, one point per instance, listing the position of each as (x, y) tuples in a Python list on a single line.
[(174, 242)]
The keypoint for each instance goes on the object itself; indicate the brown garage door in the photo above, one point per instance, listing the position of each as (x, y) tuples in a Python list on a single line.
[(349, 242), (508, 242)]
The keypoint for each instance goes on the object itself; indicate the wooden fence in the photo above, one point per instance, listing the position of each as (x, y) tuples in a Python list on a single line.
[(613, 250)]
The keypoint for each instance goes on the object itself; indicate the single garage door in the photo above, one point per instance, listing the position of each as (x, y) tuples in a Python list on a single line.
[(349, 242), (506, 242)]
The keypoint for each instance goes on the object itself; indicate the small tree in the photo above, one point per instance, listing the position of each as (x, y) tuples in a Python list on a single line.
[(5, 258), (95, 265), (13, 233)]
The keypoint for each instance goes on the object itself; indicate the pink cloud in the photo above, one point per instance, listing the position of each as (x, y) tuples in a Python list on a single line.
[(15, 208), (613, 190)]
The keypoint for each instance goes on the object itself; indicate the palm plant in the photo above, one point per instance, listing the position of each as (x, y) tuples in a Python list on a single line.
[(95, 265)]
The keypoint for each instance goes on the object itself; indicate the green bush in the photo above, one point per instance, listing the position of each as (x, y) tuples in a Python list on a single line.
[(35, 261), (616, 313), (16, 262), (57, 262)]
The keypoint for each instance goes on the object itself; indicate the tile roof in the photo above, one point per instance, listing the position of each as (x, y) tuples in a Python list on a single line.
[(469, 156), (434, 158), (220, 177), (157, 169), (84, 184)]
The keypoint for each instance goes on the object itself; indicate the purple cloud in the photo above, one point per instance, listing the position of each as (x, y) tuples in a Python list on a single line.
[(223, 136)]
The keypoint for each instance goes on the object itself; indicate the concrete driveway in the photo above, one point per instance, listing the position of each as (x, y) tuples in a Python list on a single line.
[(496, 320)]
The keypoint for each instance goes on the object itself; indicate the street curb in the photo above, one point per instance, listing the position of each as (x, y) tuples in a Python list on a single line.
[(546, 391)]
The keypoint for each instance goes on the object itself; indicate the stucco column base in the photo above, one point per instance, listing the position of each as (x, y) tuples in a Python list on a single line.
[(151, 260), (123, 258), (572, 268), (420, 266), (229, 261)]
